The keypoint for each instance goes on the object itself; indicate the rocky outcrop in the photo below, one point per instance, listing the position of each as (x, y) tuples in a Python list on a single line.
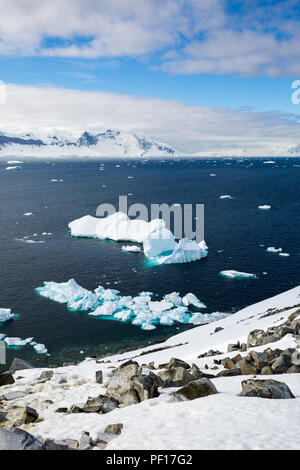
[(195, 389), (266, 389), (275, 333), (19, 364), (18, 439)]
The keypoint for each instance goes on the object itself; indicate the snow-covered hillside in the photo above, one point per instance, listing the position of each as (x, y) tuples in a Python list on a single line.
[(223, 420), (110, 143)]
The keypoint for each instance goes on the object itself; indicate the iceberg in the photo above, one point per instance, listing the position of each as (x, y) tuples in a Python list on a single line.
[(6, 315), (159, 244), (231, 274), (264, 207), (140, 310), (185, 251)]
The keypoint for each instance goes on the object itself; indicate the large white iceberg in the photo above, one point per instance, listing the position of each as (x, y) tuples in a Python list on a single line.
[(159, 244), (140, 310), (232, 274)]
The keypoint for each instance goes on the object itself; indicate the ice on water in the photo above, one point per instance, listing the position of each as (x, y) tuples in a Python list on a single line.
[(232, 274), (159, 244), (140, 310)]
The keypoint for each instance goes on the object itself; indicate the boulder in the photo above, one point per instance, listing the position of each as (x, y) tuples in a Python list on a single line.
[(145, 386), (228, 363), (19, 364), (46, 375), (260, 359), (3, 415), (233, 347), (63, 444), (195, 389), (85, 442), (247, 368), (114, 429), (237, 358), (266, 389), (229, 372), (256, 338), (176, 375), (281, 365), (99, 377), (120, 384), (18, 439), (294, 369), (6, 378), (178, 363), (30, 415), (266, 371)]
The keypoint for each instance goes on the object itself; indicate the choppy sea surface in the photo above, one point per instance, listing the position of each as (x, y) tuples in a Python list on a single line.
[(236, 231)]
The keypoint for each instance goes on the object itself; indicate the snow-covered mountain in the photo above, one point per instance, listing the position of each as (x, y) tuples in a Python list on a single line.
[(110, 143)]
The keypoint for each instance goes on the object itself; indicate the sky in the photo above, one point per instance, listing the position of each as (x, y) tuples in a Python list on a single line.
[(226, 67)]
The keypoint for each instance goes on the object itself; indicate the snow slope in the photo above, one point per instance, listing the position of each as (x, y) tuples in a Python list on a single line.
[(222, 421)]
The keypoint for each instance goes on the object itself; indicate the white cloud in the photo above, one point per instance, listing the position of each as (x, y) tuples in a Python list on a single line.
[(190, 36), (187, 128)]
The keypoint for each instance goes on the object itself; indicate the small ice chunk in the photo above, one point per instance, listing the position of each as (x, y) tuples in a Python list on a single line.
[(232, 274), (27, 214), (191, 299), (16, 167), (160, 306), (5, 314), (284, 254), (272, 249), (264, 207), (226, 196), (131, 248), (14, 341), (107, 309), (40, 348)]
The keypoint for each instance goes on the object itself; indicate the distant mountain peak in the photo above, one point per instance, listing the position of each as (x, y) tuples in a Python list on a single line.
[(110, 143)]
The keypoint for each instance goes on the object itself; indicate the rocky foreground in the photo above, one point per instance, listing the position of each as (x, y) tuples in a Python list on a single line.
[(233, 384)]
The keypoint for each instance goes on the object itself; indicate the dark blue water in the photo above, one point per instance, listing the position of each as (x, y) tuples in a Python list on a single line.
[(235, 226)]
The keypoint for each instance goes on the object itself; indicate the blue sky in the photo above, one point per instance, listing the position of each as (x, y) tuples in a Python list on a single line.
[(236, 55)]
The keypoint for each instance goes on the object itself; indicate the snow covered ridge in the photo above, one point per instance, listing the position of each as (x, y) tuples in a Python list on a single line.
[(171, 386), (140, 310), (159, 244), (110, 143)]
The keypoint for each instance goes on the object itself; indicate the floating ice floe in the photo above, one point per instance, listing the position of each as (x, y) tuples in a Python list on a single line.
[(140, 310), (226, 196), (231, 274), (6, 315), (264, 207), (269, 161), (131, 248), (272, 249), (27, 214), (16, 167), (159, 244), (284, 254)]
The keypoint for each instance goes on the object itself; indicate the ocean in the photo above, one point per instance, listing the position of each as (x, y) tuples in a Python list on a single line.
[(236, 231)]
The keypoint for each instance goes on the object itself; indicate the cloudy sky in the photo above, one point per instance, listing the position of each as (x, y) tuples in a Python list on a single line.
[(201, 75)]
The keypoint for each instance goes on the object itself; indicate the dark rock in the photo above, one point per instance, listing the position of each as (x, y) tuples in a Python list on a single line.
[(256, 338), (233, 347), (228, 363), (109, 405), (237, 358), (178, 363), (243, 347), (247, 368), (99, 377), (61, 410), (145, 386), (3, 416), (266, 389), (46, 375), (260, 358), (219, 328), (294, 369), (30, 415), (19, 364), (266, 371), (179, 375), (18, 439), (93, 405), (196, 389), (6, 378), (281, 365), (63, 444), (114, 429), (67, 364), (229, 373)]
